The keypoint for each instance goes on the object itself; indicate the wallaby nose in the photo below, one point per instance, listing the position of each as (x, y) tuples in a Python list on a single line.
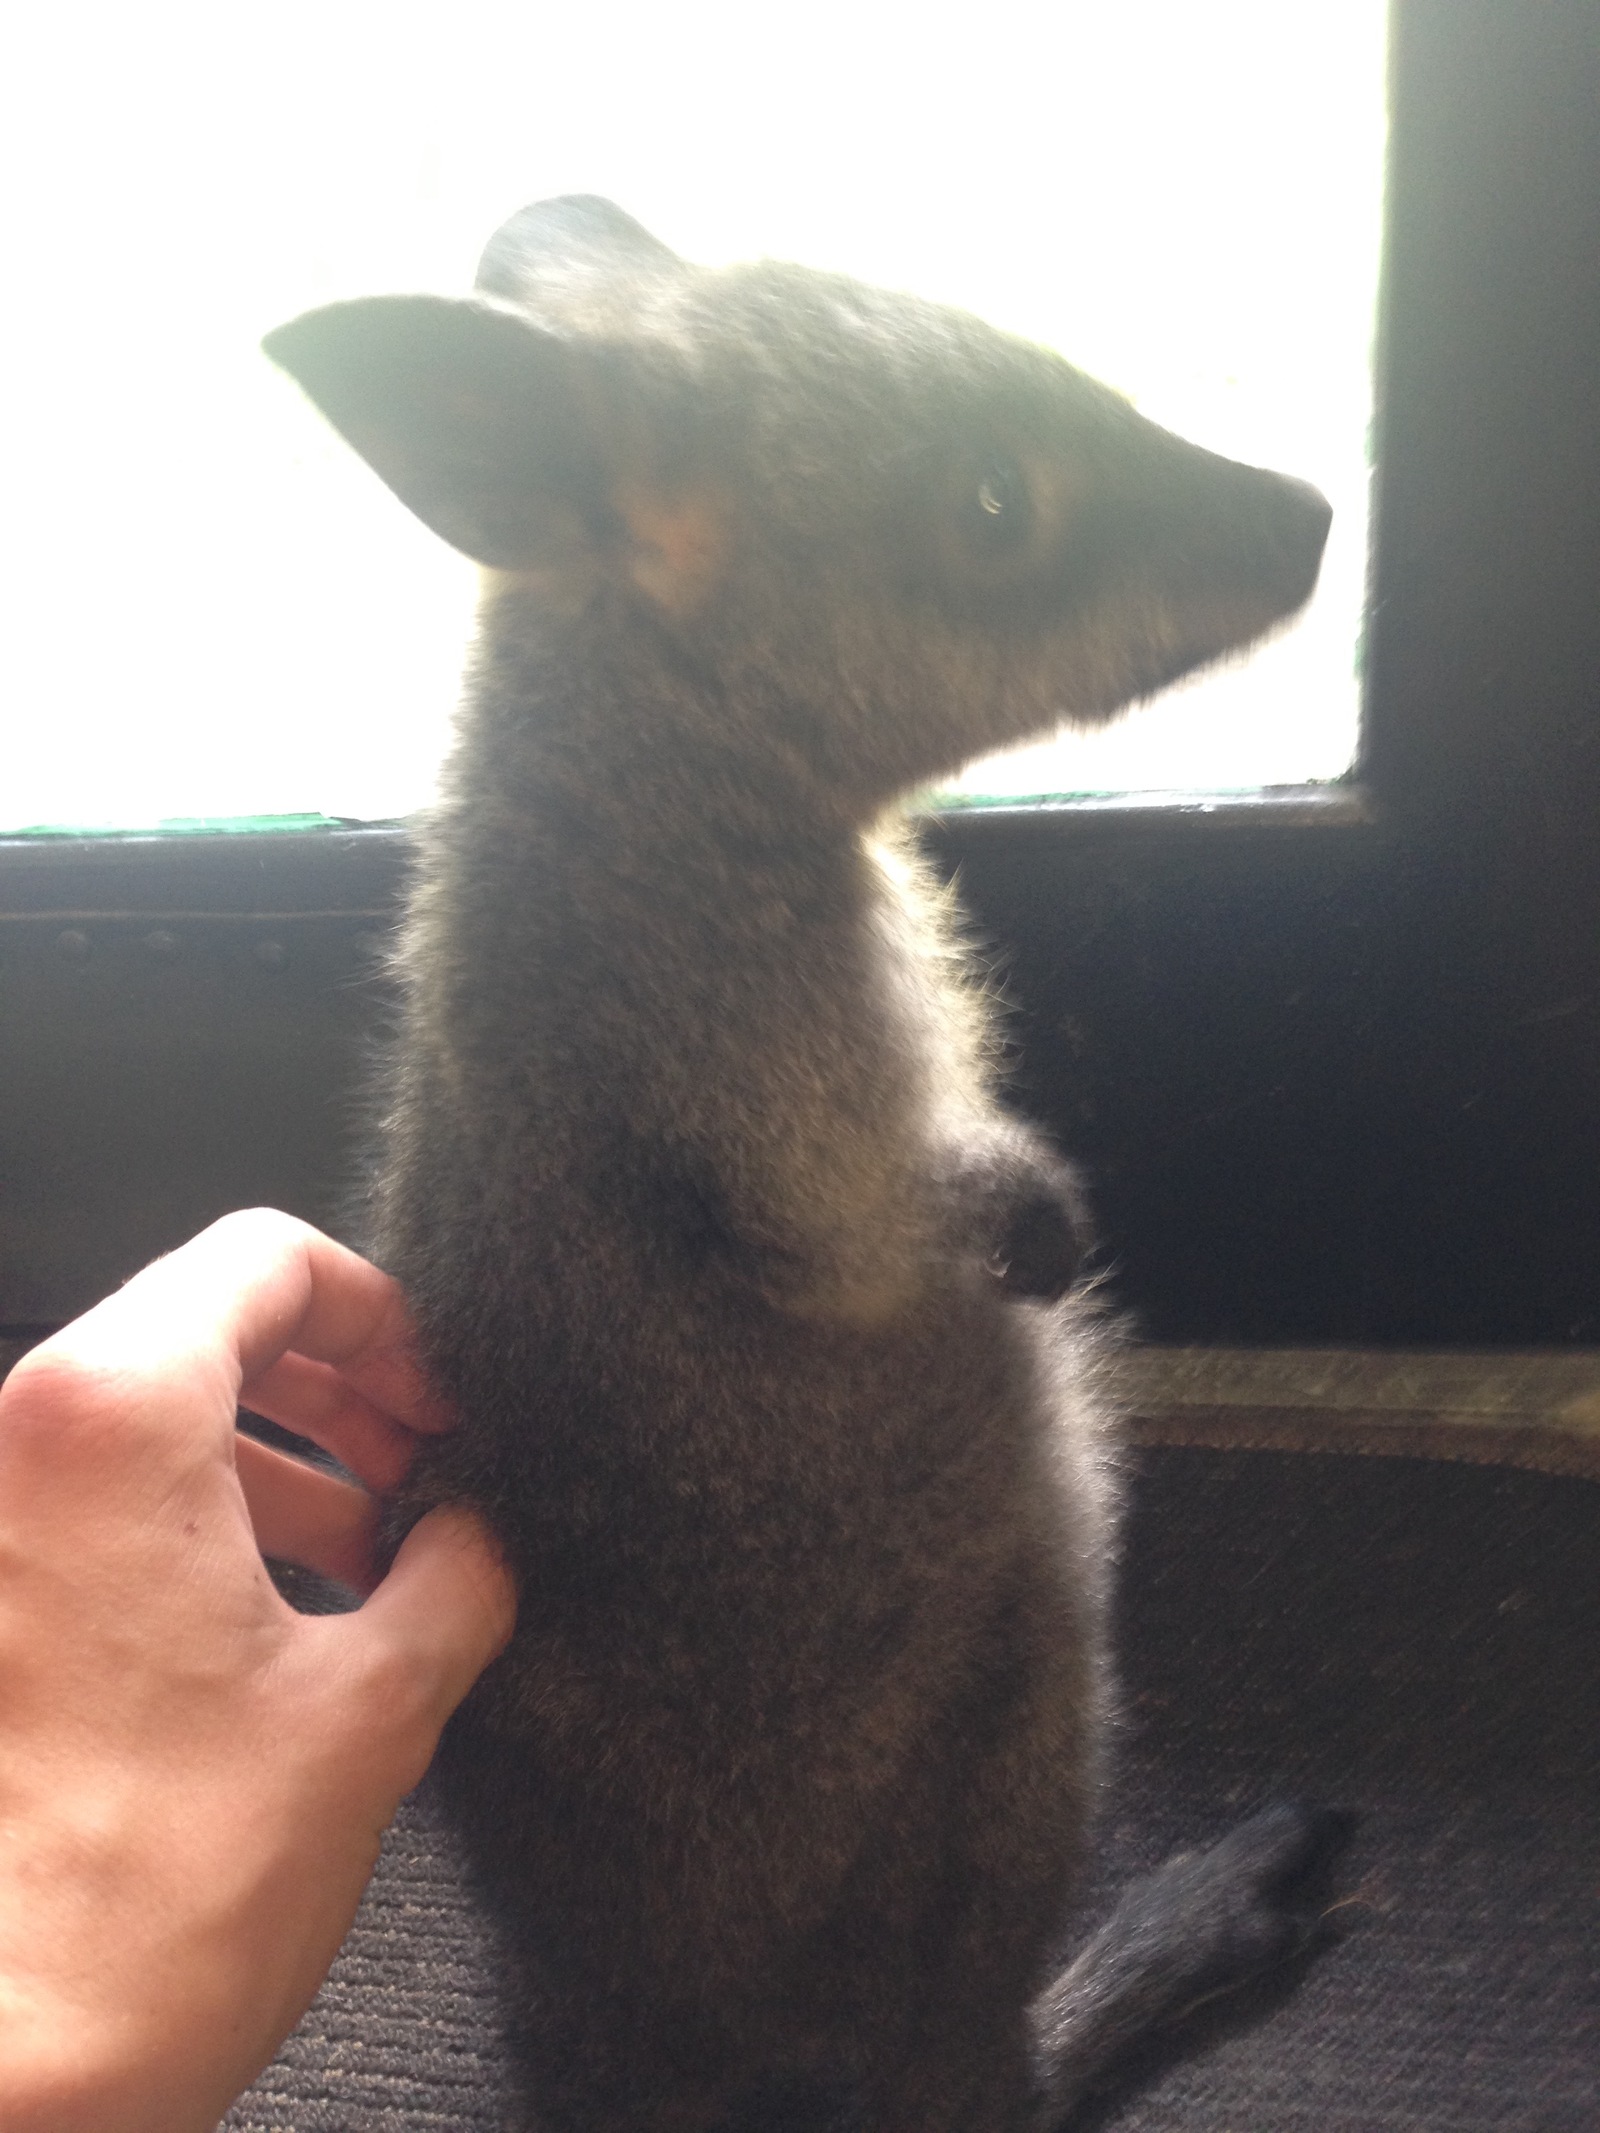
[(1300, 532), (1311, 507), (1234, 531)]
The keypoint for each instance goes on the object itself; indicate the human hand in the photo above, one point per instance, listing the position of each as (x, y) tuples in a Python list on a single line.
[(193, 1778)]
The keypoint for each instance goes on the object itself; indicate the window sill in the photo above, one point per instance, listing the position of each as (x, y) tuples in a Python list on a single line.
[(1538, 1409)]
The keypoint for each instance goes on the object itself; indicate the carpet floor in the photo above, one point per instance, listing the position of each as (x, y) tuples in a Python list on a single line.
[(1415, 1642)]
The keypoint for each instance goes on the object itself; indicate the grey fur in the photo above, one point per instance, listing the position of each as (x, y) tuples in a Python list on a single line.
[(693, 1169)]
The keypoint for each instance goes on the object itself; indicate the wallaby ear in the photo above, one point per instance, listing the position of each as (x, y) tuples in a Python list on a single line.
[(470, 414), (577, 237)]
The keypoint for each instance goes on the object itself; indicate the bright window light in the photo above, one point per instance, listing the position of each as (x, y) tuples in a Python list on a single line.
[(216, 613)]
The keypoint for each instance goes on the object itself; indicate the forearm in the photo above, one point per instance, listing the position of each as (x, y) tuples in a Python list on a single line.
[(59, 2075), (147, 1971), (86, 2060)]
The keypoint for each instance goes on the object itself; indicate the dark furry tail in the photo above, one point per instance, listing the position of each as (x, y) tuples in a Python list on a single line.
[(1202, 1924)]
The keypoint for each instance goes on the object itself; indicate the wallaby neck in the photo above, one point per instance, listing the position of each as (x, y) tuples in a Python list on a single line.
[(615, 747)]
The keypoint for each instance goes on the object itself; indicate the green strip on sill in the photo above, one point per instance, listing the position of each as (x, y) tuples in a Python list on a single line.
[(191, 826), (951, 802)]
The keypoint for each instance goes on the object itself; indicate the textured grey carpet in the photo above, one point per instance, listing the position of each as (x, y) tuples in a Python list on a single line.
[(1418, 1642), (403, 2036)]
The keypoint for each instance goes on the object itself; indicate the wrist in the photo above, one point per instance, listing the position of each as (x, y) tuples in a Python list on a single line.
[(142, 1978), (61, 2071), (71, 2064)]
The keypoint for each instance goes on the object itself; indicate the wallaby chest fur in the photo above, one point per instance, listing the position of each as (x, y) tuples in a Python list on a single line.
[(744, 1287)]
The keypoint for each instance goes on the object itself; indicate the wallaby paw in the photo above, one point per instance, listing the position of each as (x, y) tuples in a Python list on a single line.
[(1041, 1247)]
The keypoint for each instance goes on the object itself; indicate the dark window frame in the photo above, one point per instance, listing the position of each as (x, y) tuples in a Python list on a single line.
[(1330, 1058)]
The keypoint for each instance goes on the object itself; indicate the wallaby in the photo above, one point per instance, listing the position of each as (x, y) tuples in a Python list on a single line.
[(748, 1294)]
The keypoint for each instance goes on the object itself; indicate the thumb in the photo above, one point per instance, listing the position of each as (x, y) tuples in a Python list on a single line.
[(448, 1604)]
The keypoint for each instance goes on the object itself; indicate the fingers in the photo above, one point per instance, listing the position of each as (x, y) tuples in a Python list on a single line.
[(302, 1515), (446, 1608), (296, 1290), (257, 1284), (388, 1372), (317, 1401), (218, 1314), (263, 1306), (270, 1283)]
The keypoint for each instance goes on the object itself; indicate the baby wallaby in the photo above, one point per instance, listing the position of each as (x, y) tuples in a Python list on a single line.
[(750, 1298)]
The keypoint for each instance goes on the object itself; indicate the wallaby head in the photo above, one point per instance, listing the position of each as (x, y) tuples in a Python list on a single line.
[(885, 537)]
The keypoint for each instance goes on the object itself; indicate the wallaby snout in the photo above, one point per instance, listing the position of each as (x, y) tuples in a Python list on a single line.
[(1305, 518)]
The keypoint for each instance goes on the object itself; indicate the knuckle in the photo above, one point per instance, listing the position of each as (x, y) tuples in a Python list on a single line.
[(259, 1227), (55, 1395), (399, 1695)]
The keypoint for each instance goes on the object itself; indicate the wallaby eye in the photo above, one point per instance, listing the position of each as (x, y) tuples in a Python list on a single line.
[(999, 513)]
